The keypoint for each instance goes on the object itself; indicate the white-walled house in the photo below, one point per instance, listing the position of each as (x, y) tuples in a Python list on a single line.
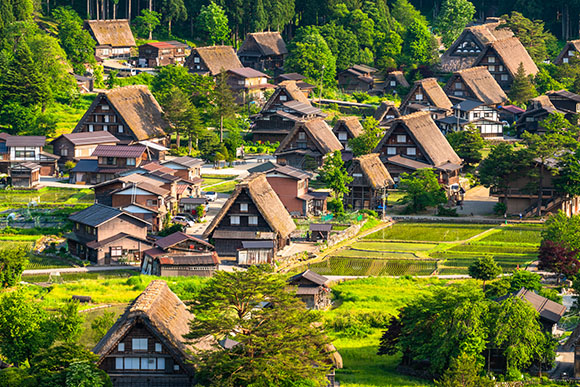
[(484, 118)]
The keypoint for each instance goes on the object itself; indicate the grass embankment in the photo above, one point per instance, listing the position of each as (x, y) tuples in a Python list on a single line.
[(68, 115)]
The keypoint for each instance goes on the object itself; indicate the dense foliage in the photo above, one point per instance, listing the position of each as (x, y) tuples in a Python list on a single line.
[(422, 190), (13, 260)]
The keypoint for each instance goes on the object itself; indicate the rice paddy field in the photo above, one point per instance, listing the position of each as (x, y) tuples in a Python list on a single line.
[(47, 195), (433, 248)]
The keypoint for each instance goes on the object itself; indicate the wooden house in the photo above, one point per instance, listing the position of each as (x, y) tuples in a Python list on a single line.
[(264, 51), (188, 168), (510, 114), (180, 255), (24, 175), (476, 84), (538, 110), (291, 186), (357, 78), (212, 60), (75, 146), (471, 44), (345, 130), (427, 95), (248, 84), (570, 50), (385, 113), (145, 201), (475, 113), (253, 212), (255, 253), (281, 112), (319, 231), (307, 145), (394, 82), (145, 346), (114, 37), (26, 149), (370, 181), (158, 54), (84, 84), (414, 142), (130, 113), (312, 289), (108, 162), (300, 80), (565, 101), (502, 59), (103, 191), (105, 235), (189, 205)]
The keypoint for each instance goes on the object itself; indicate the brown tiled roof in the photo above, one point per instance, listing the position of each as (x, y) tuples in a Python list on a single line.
[(564, 94), (481, 84), (218, 58), (12, 141), (433, 93), (193, 259), (156, 166), (161, 311), (311, 276), (86, 138), (178, 237), (116, 33), (269, 43), (129, 151), (512, 53), (151, 188), (320, 133), (185, 161), (351, 124), (98, 214), (548, 309), (429, 138), (266, 200), (373, 170)]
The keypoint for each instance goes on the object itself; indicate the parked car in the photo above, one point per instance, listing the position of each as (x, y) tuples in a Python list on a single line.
[(183, 221), (210, 195)]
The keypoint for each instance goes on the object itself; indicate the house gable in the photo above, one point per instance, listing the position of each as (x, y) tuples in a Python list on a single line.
[(399, 140), (467, 45), (238, 213)]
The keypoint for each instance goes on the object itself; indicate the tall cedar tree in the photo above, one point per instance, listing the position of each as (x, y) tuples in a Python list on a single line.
[(522, 89), (279, 341), (468, 144), (484, 269), (454, 16), (531, 33), (422, 190), (557, 258), (223, 100), (172, 10)]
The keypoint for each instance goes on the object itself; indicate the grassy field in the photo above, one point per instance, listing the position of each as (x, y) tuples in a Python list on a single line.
[(431, 232), (227, 187), (47, 195), (215, 179), (68, 115)]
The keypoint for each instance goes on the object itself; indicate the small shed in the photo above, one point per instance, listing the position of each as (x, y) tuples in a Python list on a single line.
[(320, 231), (312, 289), (25, 175), (255, 253), (188, 205)]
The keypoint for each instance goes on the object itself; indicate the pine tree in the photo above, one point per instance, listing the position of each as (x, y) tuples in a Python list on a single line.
[(224, 101), (522, 89)]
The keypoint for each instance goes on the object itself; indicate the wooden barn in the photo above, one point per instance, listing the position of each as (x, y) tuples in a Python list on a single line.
[(114, 38), (357, 78), (255, 253), (180, 255), (385, 113), (370, 181), (248, 84), (307, 145), (145, 347), (24, 175), (264, 51), (538, 110), (253, 212), (319, 231), (212, 60), (427, 95), (312, 289), (75, 146)]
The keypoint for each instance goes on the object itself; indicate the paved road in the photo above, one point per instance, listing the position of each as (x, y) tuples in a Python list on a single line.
[(353, 277), (477, 202), (88, 269)]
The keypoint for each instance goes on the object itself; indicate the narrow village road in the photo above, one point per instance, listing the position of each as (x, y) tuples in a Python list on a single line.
[(87, 269)]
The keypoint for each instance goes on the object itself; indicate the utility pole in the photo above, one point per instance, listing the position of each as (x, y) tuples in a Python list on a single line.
[(385, 199)]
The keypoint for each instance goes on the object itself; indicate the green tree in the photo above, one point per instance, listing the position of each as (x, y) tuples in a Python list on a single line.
[(176, 107), (336, 177), (468, 144), (224, 101), (101, 324), (454, 16), (484, 269), (368, 139), (522, 89), (405, 14), (172, 10), (70, 322), (531, 33), (84, 374), (464, 371), (212, 20), (280, 336), (558, 258), (418, 44), (421, 190), (13, 260), (343, 43), (563, 229), (310, 56), (112, 80), (567, 181), (74, 39), (147, 22)]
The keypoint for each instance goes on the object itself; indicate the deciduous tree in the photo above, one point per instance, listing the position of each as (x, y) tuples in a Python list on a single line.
[(147, 22), (213, 22), (422, 190), (558, 258), (368, 140), (13, 260), (468, 144), (484, 269), (454, 16)]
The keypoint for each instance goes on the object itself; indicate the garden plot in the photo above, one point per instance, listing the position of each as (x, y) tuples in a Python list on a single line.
[(431, 232), (348, 266)]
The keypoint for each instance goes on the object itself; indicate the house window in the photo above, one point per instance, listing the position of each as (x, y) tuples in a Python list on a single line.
[(283, 98), (116, 251), (148, 363), (176, 367), (504, 77), (391, 150), (77, 226), (411, 151), (419, 97), (491, 59), (63, 151), (121, 347), (111, 161), (500, 68), (487, 115), (106, 118), (357, 175), (105, 107), (120, 129), (491, 68), (158, 347), (253, 220), (132, 363), (91, 128), (458, 85), (139, 344), (475, 115), (571, 53), (243, 207), (393, 83), (160, 363), (119, 363), (302, 136), (196, 60), (458, 93), (401, 138), (234, 220), (565, 60), (106, 128), (151, 202), (130, 161), (342, 136)]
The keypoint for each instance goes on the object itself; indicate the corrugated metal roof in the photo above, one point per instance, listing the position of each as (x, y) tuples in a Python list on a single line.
[(248, 72), (178, 237), (123, 151), (258, 244), (310, 276), (185, 161), (25, 141), (84, 138), (85, 165)]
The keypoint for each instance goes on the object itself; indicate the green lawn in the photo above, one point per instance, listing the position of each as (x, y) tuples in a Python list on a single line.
[(46, 196), (393, 246), (432, 232), (215, 179), (68, 115)]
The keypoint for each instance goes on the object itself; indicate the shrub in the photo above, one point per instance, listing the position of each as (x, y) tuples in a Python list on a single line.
[(368, 212), (499, 208), (69, 165), (442, 211), (336, 206)]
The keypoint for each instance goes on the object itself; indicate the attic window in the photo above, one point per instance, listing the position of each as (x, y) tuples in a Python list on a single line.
[(253, 220), (504, 77), (91, 128), (491, 68), (419, 97), (234, 220), (105, 107), (342, 136), (391, 150), (401, 138), (393, 83), (411, 151), (243, 207), (571, 53), (176, 367), (121, 347), (120, 129), (196, 60), (357, 175), (302, 136), (491, 59), (139, 344), (283, 98), (458, 85)]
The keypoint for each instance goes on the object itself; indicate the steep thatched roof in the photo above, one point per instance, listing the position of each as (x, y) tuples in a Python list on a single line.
[(399, 77), (291, 87), (218, 58), (512, 53), (266, 200), (138, 108), (571, 45), (268, 42), (318, 131), (481, 84), (433, 93), (373, 170), (351, 124), (116, 33), (383, 109), (428, 137), (160, 310)]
